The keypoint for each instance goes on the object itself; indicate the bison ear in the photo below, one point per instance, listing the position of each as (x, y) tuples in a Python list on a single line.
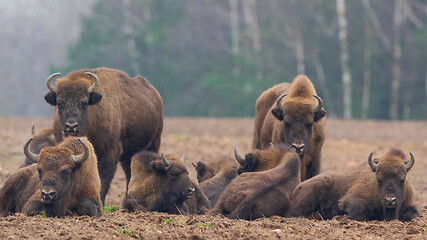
[(251, 161), (201, 168), (94, 98), (277, 113), (50, 98), (158, 166), (319, 115)]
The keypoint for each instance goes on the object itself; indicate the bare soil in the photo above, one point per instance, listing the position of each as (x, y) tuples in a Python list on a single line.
[(348, 143)]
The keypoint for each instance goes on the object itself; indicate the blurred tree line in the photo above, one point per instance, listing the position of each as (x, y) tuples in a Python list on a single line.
[(367, 59)]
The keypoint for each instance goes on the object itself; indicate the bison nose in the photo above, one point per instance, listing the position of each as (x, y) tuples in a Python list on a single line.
[(71, 127), (390, 202), (48, 195), (299, 147)]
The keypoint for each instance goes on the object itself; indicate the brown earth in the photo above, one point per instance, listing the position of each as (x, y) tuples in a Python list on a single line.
[(348, 143)]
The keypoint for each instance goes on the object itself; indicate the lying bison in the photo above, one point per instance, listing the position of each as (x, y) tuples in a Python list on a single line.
[(261, 194), (259, 160), (119, 115), (65, 180), (162, 184), (41, 139), (292, 114), (378, 192), (215, 175)]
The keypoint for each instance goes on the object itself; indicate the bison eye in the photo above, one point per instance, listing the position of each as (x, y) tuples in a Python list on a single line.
[(65, 173)]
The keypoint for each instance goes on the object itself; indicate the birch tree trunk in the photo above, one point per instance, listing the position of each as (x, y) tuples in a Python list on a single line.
[(130, 33), (320, 73), (366, 88), (251, 20), (234, 23), (397, 55), (344, 57)]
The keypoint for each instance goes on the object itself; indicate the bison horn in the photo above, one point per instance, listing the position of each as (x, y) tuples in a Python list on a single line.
[(279, 102), (30, 155), (182, 158), (95, 83), (410, 163), (320, 105), (166, 162), (33, 130), (371, 163), (237, 155), (194, 164), (50, 85), (79, 159)]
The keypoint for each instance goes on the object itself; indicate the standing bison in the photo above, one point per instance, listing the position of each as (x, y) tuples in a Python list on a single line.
[(292, 114), (254, 195), (64, 180), (119, 115), (161, 183), (378, 192)]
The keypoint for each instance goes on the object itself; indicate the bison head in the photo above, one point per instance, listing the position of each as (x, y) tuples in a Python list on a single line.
[(391, 175), (72, 99), (56, 168), (298, 119), (175, 185)]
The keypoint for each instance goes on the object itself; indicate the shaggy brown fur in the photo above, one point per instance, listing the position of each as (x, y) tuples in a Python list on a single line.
[(156, 187), (215, 175), (261, 160), (360, 193), (261, 194), (41, 139), (121, 117), (77, 186), (297, 123)]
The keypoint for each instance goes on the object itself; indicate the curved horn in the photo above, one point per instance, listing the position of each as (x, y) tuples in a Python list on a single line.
[(30, 155), (182, 158), (410, 163), (166, 162), (371, 163), (320, 105), (194, 164), (50, 85), (32, 130), (95, 83), (271, 144), (237, 155), (79, 159), (279, 102)]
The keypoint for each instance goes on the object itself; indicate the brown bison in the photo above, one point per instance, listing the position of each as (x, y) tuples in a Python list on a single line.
[(41, 139), (119, 115), (259, 160), (65, 180), (292, 114), (161, 183), (378, 192), (215, 175), (261, 194)]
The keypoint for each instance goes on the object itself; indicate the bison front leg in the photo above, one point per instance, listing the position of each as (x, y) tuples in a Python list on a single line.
[(355, 208), (88, 207), (34, 205), (310, 196), (410, 213), (107, 164)]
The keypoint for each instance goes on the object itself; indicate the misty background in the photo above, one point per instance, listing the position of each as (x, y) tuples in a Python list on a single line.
[(367, 59)]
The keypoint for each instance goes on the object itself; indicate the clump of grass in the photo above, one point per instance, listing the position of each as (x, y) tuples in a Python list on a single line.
[(126, 231), (111, 208), (425, 228), (205, 225), (44, 214), (168, 220)]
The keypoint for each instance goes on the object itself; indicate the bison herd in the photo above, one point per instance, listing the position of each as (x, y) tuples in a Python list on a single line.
[(102, 117)]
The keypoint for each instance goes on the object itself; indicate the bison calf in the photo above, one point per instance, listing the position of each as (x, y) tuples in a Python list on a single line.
[(161, 183), (261, 194), (378, 192), (214, 176), (64, 180)]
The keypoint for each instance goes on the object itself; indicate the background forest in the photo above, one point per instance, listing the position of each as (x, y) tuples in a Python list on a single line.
[(367, 59)]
